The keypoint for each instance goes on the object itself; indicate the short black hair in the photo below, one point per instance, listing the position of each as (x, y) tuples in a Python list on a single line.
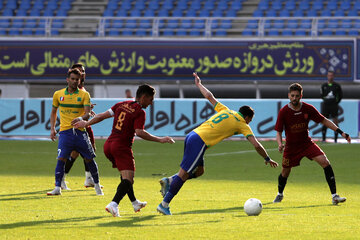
[(145, 89), (73, 70), (247, 111), (296, 87), (331, 71)]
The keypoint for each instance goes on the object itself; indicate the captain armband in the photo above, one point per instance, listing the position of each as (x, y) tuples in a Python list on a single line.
[(338, 130), (267, 158)]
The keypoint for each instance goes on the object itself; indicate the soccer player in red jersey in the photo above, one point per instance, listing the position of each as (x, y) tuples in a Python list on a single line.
[(129, 119), (294, 119)]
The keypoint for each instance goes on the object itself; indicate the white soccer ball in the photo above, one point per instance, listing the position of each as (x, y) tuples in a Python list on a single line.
[(253, 207)]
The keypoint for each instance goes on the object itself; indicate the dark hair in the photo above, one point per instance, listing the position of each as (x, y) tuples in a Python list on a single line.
[(296, 87), (74, 71), (145, 89), (247, 111), (79, 65), (331, 71)]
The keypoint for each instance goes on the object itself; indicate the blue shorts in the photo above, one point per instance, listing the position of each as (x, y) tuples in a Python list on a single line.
[(194, 149), (74, 139)]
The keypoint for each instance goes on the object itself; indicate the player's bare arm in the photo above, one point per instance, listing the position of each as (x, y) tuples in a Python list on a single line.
[(98, 118), (204, 91), (281, 146), (53, 116), (86, 116), (329, 124), (147, 136), (261, 151)]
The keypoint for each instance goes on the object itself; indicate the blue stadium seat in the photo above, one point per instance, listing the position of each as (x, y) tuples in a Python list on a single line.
[(182, 4), (127, 32), (304, 5), (125, 5), (35, 12), (140, 32), (181, 32), (273, 32), (65, 5), (220, 33), (27, 32), (117, 23), (332, 5), (14, 32), (345, 5), (357, 5), (252, 24), (236, 5), (258, 13), (278, 23), (153, 4), (169, 4), (346, 23), (7, 12), (17, 23), (353, 32), (196, 5), (25, 4), (298, 13), (168, 32), (209, 5), (326, 32), (287, 32), (290, 5), (270, 13), (30, 23), (276, 5), (317, 5), (108, 13), (222, 5), (2, 32), (114, 32), (340, 32), (195, 33), (247, 32), (300, 32), (40, 32), (139, 5), (11, 5), (284, 13), (312, 13), (263, 5), (292, 23)]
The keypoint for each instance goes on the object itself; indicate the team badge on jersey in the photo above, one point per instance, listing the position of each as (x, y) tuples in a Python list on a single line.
[(306, 116), (62, 99), (79, 99)]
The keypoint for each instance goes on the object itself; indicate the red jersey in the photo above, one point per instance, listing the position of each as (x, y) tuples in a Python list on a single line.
[(128, 116), (296, 123)]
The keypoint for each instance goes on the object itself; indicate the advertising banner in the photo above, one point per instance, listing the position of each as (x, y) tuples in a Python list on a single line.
[(173, 60), (31, 117)]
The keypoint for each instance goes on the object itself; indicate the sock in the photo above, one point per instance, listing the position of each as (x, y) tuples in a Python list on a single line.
[(171, 178), (175, 186), (86, 167), (69, 163), (87, 174), (59, 172), (282, 182), (122, 189), (330, 178), (335, 137), (131, 194), (192, 174), (94, 170), (323, 131)]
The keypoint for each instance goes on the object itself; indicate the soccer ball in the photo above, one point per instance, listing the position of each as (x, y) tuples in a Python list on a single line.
[(253, 207)]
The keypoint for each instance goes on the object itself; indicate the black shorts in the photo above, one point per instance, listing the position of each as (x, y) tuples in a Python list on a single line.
[(330, 110)]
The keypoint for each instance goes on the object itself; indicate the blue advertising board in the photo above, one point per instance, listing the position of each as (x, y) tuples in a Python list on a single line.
[(172, 60), (31, 117)]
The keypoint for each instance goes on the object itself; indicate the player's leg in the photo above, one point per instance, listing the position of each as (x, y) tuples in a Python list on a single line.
[(84, 147), (282, 180), (330, 177), (89, 181), (193, 157), (137, 204), (64, 150), (127, 178), (68, 165)]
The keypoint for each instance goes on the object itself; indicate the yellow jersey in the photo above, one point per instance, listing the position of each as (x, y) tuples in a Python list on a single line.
[(223, 124), (71, 106)]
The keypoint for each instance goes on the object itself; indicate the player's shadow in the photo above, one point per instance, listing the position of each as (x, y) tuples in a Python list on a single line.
[(207, 211), (29, 195), (132, 222), (49, 222)]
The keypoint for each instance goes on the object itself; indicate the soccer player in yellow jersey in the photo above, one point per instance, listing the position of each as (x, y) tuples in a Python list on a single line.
[(223, 124), (73, 105)]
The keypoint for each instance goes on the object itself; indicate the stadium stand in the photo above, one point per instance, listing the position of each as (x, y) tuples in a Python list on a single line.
[(186, 19)]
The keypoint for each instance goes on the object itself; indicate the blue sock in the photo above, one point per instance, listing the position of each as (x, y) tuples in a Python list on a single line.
[(93, 170), (175, 186), (59, 172)]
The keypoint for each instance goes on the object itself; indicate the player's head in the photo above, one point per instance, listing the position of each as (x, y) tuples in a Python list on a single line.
[(81, 68), (145, 95), (73, 78), (128, 93), (330, 76), (247, 112), (295, 93)]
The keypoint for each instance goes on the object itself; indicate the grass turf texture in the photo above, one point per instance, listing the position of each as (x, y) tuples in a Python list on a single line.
[(210, 207)]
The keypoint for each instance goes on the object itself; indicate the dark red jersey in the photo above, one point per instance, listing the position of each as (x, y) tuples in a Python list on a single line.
[(296, 123), (128, 116)]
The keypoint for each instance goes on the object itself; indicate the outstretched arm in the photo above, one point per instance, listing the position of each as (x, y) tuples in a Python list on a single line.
[(147, 136), (261, 151), (98, 118), (204, 91)]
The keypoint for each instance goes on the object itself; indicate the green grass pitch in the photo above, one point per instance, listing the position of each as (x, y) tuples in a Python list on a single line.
[(210, 207)]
